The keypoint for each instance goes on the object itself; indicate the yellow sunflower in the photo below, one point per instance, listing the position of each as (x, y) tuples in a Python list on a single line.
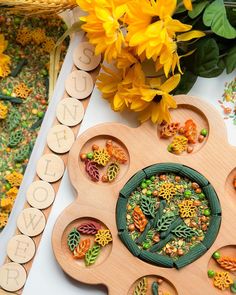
[(156, 101), (109, 83), (103, 25), (147, 96), (188, 4), (153, 31), (5, 60)]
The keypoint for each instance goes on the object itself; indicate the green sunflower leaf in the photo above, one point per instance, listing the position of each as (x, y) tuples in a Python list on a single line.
[(215, 17)]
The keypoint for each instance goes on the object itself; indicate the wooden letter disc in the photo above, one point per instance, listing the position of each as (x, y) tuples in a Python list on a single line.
[(31, 222), (12, 276), (70, 111), (60, 139), (84, 57), (40, 194), (79, 84), (50, 168), (20, 249)]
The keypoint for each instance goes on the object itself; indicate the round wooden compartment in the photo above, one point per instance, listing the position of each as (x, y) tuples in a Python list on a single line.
[(229, 185), (180, 115), (105, 251), (164, 285), (100, 141), (155, 258), (229, 251)]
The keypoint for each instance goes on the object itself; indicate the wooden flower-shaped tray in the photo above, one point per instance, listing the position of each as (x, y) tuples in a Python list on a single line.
[(117, 268)]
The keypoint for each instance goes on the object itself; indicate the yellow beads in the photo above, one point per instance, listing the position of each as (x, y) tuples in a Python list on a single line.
[(103, 237), (101, 157), (22, 90), (3, 111), (167, 191), (14, 179), (222, 280), (187, 209)]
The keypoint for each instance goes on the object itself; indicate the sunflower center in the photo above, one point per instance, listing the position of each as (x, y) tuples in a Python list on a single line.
[(155, 19), (157, 98)]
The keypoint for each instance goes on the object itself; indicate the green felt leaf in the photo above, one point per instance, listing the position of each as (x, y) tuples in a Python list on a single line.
[(92, 255), (73, 239), (164, 222), (141, 287), (148, 206), (197, 9), (183, 231), (13, 119), (22, 154), (186, 83), (230, 60), (15, 138), (215, 17)]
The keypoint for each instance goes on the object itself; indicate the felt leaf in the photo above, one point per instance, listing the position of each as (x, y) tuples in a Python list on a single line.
[(22, 154), (119, 154), (112, 171), (183, 231), (92, 255), (15, 138), (164, 222), (148, 206), (141, 287), (228, 263), (82, 249), (13, 119), (92, 170), (139, 218), (73, 239), (89, 228)]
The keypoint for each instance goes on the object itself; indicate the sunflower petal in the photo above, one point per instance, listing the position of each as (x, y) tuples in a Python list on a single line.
[(190, 35), (171, 83)]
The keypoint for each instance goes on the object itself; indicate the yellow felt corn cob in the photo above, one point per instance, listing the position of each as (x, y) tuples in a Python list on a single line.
[(33, 7)]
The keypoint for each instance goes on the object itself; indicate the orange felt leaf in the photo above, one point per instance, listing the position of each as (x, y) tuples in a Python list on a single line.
[(190, 131), (82, 249), (140, 221), (116, 152), (227, 263)]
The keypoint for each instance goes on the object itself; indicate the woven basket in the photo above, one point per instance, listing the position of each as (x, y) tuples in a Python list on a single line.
[(34, 7)]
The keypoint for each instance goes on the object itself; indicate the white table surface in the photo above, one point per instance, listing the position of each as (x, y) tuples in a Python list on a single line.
[(46, 276)]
